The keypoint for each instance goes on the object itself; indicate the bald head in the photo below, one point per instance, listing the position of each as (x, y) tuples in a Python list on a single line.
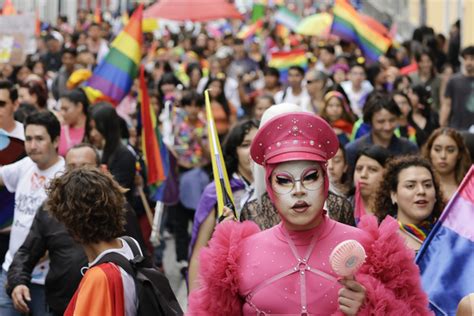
[(81, 156)]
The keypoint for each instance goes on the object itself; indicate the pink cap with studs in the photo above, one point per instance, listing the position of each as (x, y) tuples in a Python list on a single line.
[(294, 136)]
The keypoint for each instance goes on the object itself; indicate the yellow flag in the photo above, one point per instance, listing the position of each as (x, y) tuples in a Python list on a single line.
[(223, 190), (149, 25)]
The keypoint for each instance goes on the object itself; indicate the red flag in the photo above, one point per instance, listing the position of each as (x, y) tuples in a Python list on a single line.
[(359, 209), (37, 25), (97, 15), (150, 143), (8, 8)]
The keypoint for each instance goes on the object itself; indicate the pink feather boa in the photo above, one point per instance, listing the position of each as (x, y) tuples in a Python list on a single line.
[(218, 271), (390, 276)]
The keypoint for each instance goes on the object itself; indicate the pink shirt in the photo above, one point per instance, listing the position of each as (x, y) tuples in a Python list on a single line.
[(296, 287), (69, 137)]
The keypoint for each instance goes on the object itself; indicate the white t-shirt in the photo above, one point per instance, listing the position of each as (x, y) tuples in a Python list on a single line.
[(357, 98), (28, 183), (303, 99), (130, 295), (17, 132)]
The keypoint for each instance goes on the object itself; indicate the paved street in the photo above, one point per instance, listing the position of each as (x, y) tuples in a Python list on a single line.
[(172, 272)]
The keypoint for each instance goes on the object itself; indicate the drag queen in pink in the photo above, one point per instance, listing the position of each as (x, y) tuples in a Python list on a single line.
[(285, 270)]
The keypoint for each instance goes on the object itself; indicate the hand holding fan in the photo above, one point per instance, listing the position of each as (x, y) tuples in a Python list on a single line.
[(347, 257)]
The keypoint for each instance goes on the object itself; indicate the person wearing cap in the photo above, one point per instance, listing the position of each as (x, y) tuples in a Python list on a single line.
[(285, 270)]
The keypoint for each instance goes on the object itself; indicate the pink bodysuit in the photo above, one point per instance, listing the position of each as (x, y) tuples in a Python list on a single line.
[(247, 272), (284, 272)]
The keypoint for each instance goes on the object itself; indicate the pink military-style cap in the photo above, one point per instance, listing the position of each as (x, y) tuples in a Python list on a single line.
[(294, 136)]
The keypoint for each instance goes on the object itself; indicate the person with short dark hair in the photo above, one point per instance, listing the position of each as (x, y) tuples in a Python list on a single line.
[(327, 58), (8, 106), (295, 93), (95, 43), (357, 88), (68, 60), (381, 113), (28, 178), (457, 107)]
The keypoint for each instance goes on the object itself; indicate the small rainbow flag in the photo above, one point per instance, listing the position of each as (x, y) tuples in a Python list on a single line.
[(284, 60), (113, 78), (349, 25), (250, 30), (151, 138)]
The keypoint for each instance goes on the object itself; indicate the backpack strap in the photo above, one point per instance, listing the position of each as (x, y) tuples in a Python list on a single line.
[(132, 243), (119, 260)]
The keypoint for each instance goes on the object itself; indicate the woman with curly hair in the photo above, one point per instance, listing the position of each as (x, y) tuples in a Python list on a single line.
[(410, 193), (448, 154)]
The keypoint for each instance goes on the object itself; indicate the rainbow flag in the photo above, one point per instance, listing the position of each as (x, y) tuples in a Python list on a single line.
[(349, 25), (284, 60), (151, 138), (446, 258), (250, 30), (113, 77)]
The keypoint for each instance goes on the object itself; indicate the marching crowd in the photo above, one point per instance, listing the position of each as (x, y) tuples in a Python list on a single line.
[(309, 156)]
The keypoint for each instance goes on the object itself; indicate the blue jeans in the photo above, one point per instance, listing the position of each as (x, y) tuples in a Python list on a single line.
[(37, 305)]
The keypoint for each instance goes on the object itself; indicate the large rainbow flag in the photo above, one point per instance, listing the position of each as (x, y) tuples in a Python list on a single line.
[(349, 25), (152, 145), (446, 259), (284, 60), (113, 78)]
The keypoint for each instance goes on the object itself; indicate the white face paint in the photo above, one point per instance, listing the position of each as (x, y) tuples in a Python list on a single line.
[(298, 190)]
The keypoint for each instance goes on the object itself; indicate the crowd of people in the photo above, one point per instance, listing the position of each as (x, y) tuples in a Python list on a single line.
[(344, 148)]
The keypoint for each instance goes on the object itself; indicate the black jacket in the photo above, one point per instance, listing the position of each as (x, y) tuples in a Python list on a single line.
[(66, 258)]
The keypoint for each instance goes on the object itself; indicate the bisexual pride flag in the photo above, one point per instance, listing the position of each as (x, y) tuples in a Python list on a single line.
[(446, 259)]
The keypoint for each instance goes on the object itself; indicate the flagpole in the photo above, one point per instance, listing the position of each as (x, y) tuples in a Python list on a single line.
[(224, 197)]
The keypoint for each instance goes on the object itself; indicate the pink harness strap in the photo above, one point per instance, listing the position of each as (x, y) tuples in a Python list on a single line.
[(301, 267)]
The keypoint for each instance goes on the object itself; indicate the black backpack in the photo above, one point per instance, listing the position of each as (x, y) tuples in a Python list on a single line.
[(154, 293)]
